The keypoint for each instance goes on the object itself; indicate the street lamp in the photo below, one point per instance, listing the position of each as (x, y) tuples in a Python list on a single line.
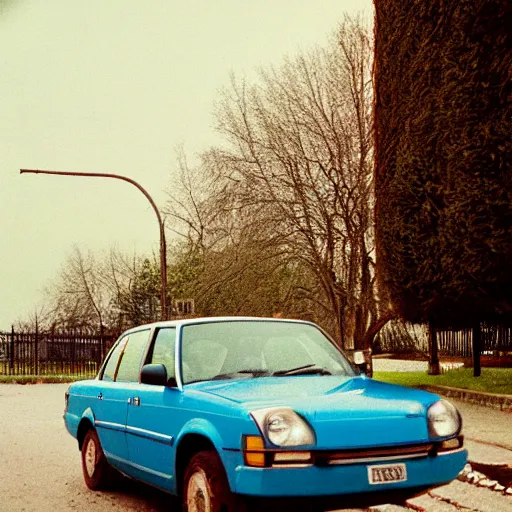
[(163, 250)]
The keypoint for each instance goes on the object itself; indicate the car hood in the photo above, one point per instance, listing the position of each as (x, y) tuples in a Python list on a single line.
[(344, 411), (331, 392)]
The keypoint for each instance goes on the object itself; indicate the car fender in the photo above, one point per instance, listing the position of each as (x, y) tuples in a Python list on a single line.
[(76, 425), (207, 429), (202, 427), (88, 414), (73, 421)]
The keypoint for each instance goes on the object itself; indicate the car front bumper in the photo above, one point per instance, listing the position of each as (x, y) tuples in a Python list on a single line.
[(422, 473)]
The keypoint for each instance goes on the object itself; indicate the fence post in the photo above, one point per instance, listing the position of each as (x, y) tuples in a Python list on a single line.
[(73, 350), (12, 349), (102, 347), (36, 350)]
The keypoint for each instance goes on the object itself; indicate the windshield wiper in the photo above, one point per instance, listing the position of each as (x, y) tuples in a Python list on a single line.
[(232, 375), (308, 369)]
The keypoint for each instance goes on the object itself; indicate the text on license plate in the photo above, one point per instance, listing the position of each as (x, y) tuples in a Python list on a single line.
[(387, 473)]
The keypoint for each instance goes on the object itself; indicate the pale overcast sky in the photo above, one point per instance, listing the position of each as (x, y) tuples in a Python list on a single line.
[(115, 86)]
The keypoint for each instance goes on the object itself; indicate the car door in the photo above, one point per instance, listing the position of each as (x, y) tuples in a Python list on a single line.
[(152, 422), (114, 390)]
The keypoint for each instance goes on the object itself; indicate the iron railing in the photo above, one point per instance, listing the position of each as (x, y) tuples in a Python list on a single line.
[(72, 353)]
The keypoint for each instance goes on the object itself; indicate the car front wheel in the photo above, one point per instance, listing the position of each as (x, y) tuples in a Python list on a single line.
[(98, 474), (206, 488)]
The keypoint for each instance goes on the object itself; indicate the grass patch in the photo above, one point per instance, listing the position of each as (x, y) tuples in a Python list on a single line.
[(51, 369), (492, 380), (40, 379)]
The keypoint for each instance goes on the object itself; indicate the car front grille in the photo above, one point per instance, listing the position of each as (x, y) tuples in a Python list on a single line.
[(365, 455), (329, 458)]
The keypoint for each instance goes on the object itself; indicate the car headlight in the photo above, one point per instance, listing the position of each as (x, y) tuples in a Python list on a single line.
[(282, 426), (443, 419)]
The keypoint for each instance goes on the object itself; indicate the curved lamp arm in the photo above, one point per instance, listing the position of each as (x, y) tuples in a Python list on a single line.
[(163, 248)]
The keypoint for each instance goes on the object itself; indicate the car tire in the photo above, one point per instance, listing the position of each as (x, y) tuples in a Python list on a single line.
[(98, 473), (206, 487)]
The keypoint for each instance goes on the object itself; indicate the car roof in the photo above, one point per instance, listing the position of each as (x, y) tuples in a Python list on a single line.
[(214, 319)]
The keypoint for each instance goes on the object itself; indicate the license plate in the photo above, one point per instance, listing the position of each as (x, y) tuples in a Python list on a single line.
[(387, 473)]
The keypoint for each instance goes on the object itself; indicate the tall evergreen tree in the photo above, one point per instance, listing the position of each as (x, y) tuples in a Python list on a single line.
[(443, 120)]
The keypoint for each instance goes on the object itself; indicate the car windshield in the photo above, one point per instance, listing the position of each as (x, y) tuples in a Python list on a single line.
[(249, 349)]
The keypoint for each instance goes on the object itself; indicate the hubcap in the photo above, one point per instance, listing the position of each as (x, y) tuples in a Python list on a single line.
[(198, 493), (90, 457)]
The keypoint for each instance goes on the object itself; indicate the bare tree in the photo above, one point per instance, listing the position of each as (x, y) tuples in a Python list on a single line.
[(293, 184), (101, 292), (38, 319), (300, 155), (78, 295), (236, 262)]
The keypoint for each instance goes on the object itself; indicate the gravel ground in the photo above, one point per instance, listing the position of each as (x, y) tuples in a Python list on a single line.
[(399, 365), (42, 472), (486, 424)]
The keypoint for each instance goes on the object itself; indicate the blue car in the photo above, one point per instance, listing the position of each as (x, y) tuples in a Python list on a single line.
[(234, 413)]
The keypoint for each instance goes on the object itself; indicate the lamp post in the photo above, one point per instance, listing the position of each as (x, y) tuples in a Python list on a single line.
[(163, 250)]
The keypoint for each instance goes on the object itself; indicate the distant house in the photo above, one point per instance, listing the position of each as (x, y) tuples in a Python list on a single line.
[(183, 307)]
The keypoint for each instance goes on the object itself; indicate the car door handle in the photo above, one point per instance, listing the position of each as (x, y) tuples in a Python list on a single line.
[(100, 395), (136, 401)]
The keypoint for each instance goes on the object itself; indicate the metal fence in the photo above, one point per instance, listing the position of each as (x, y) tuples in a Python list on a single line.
[(494, 338), (401, 338), (52, 353)]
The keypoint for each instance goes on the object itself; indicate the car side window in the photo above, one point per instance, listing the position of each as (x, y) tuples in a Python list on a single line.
[(109, 372), (163, 349), (131, 357)]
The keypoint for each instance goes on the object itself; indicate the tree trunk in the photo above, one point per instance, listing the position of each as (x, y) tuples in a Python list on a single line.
[(359, 328), (374, 328), (476, 350), (433, 364)]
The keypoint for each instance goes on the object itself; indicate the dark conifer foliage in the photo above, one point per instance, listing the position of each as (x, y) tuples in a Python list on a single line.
[(443, 121)]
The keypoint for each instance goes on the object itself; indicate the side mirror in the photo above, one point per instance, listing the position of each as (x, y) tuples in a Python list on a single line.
[(362, 359), (359, 358), (155, 374)]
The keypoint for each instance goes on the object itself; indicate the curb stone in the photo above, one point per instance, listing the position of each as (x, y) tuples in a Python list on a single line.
[(501, 402)]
